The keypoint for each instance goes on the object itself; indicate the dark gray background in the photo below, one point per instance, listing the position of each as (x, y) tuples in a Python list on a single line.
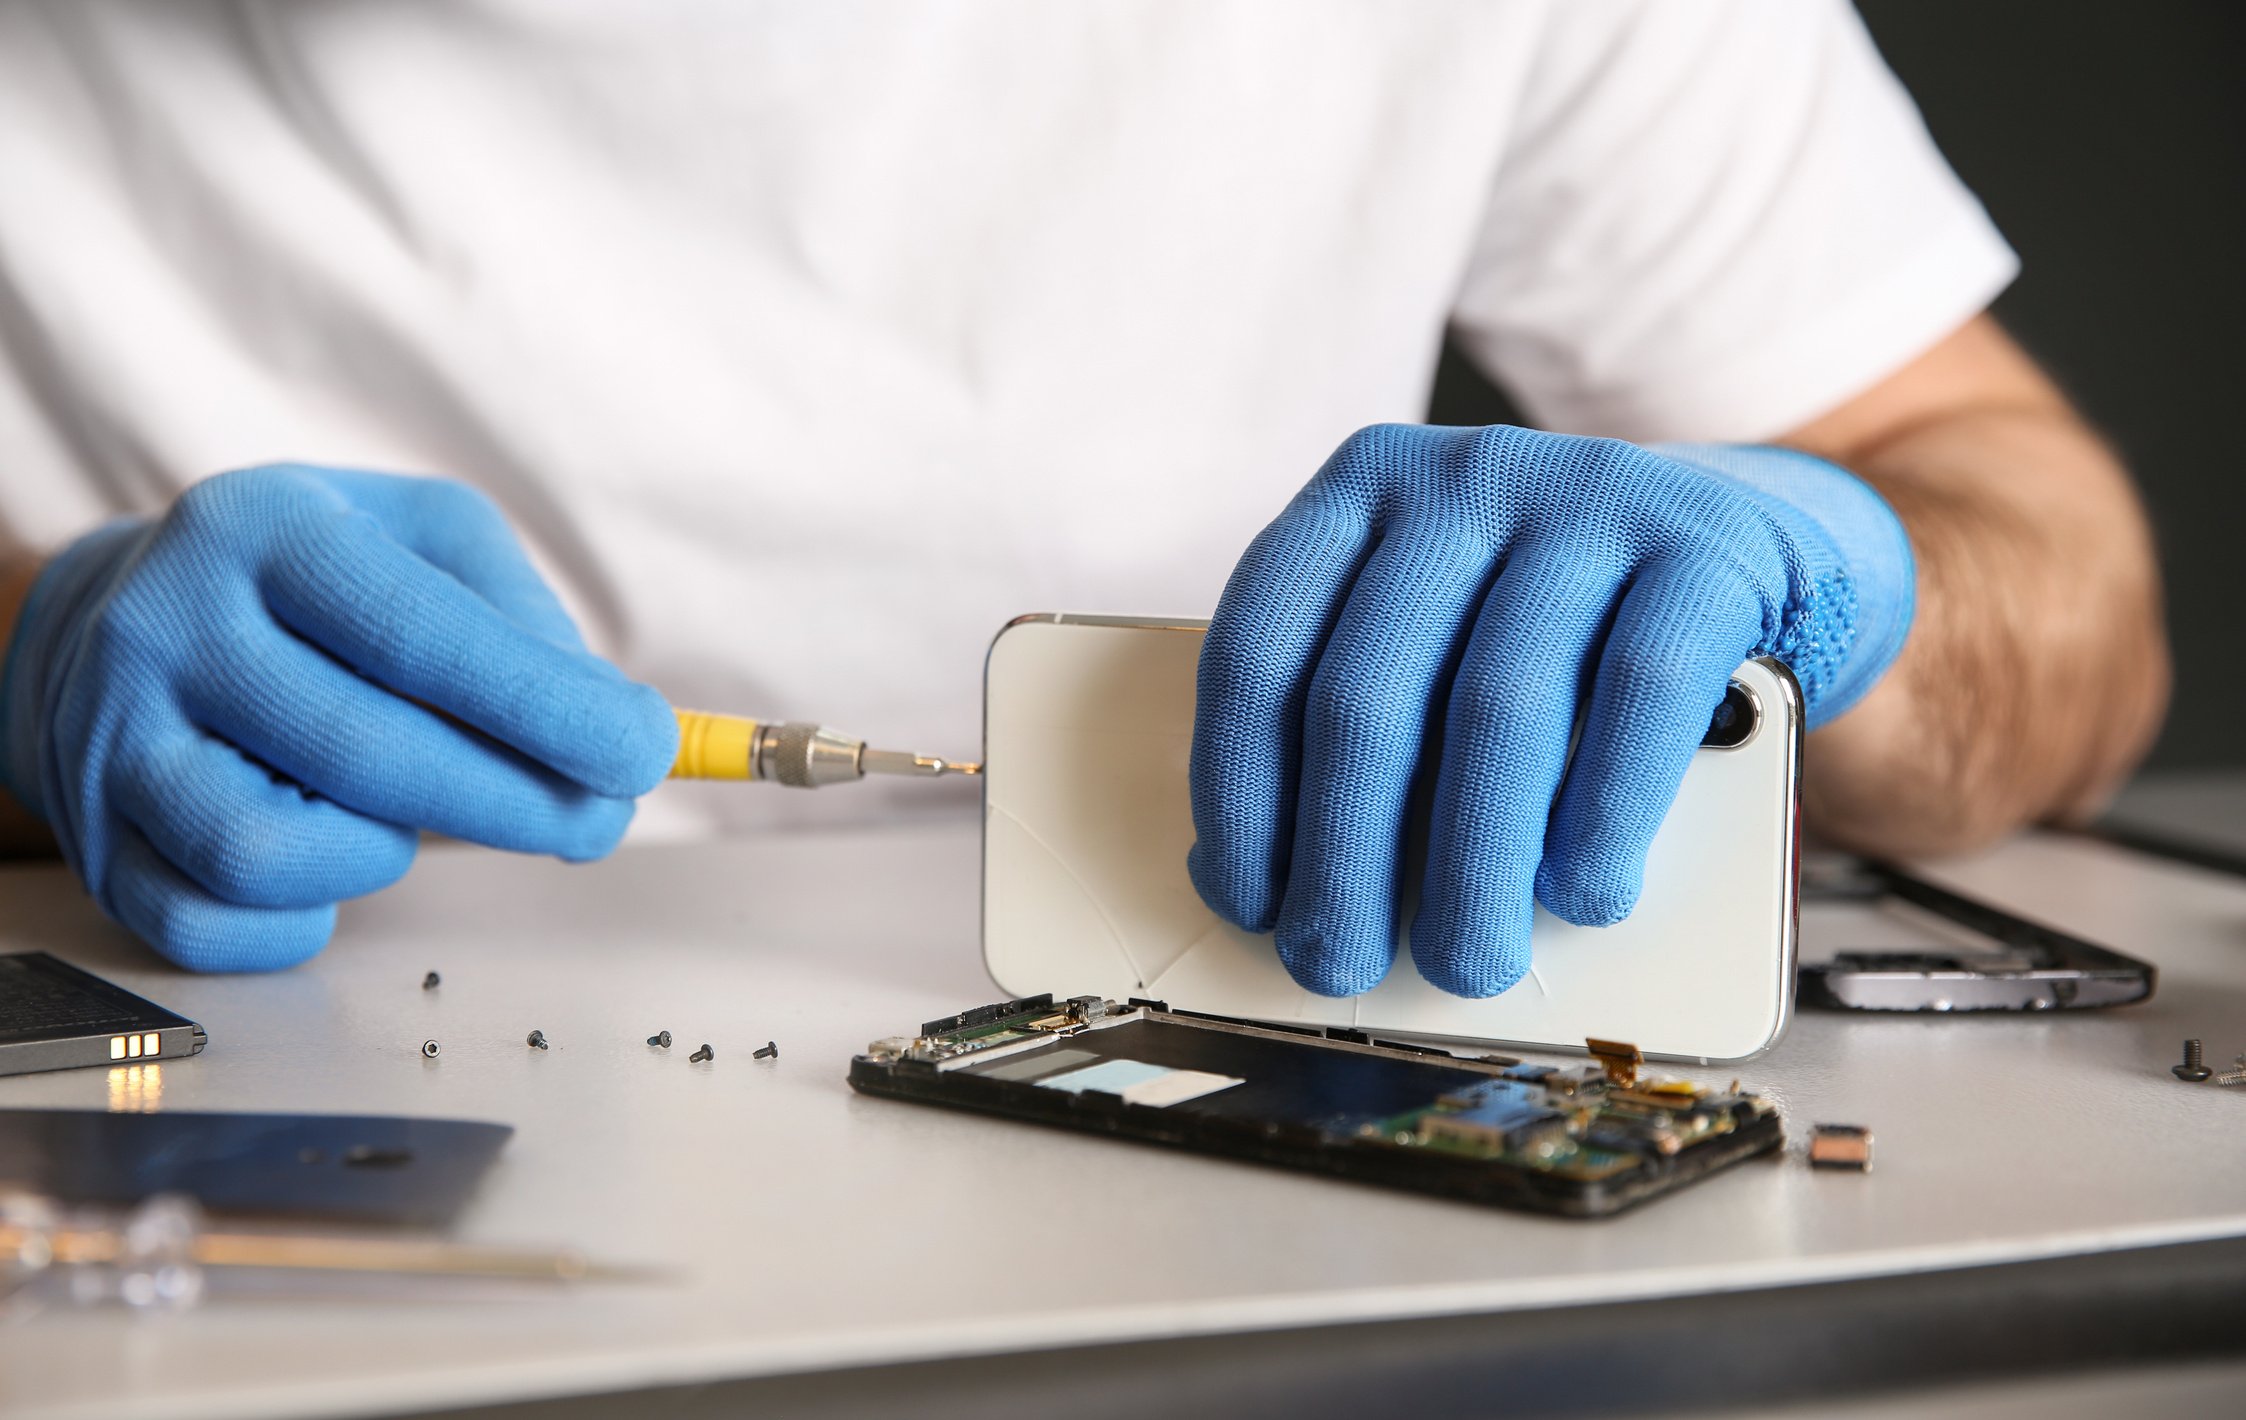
[(2109, 141)]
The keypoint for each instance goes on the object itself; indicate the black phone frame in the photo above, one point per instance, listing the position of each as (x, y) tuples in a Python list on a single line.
[(2067, 972)]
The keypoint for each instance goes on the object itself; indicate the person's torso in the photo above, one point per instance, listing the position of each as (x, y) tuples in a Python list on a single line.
[(806, 344)]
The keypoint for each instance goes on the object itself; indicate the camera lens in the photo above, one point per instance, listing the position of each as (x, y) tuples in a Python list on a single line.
[(1735, 719)]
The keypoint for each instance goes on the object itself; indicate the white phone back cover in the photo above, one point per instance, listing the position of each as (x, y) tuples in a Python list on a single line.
[(1087, 726)]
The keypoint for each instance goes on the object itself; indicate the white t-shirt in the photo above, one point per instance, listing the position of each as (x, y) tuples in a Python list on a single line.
[(806, 344)]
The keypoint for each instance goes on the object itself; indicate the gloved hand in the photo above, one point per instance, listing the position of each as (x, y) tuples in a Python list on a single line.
[(236, 715), (1503, 579)]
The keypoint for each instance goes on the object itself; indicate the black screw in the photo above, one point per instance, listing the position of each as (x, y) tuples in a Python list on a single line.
[(662, 1038), (770, 1052), (431, 982), (2194, 1067), (705, 1053), (429, 1049), (536, 1038)]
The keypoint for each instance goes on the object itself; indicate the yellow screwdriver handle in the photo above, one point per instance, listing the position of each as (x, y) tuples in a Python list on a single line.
[(714, 746)]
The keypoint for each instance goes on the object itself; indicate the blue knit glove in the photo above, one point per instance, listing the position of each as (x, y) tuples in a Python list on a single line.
[(1495, 582), (237, 715)]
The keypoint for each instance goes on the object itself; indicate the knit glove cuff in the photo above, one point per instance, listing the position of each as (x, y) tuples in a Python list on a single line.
[(1860, 564)]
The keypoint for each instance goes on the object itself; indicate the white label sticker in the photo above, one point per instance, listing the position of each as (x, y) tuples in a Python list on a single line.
[(1137, 1082)]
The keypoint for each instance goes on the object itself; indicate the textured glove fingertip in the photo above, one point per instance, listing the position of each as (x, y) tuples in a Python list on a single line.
[(1600, 897), (1246, 900), (1320, 963), (1471, 959), (639, 753), (197, 932), (598, 827)]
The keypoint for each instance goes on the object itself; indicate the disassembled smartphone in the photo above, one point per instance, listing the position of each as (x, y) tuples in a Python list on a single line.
[(1581, 1143), (54, 1016), (1088, 722), (1877, 938)]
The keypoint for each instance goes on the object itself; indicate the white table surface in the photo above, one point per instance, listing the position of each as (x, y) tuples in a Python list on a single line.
[(806, 1227)]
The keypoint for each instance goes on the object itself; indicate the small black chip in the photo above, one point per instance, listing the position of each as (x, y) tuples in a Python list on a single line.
[(54, 1016)]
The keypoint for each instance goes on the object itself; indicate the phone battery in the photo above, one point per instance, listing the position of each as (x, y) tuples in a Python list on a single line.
[(55, 1017)]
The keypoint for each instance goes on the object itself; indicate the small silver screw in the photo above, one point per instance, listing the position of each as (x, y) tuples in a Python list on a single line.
[(536, 1038), (662, 1038), (769, 1052), (429, 1049), (2194, 1067), (705, 1053)]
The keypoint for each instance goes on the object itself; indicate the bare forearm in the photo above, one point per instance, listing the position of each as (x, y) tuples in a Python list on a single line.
[(2036, 672)]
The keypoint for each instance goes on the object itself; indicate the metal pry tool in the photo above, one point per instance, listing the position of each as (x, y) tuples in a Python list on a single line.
[(799, 755)]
